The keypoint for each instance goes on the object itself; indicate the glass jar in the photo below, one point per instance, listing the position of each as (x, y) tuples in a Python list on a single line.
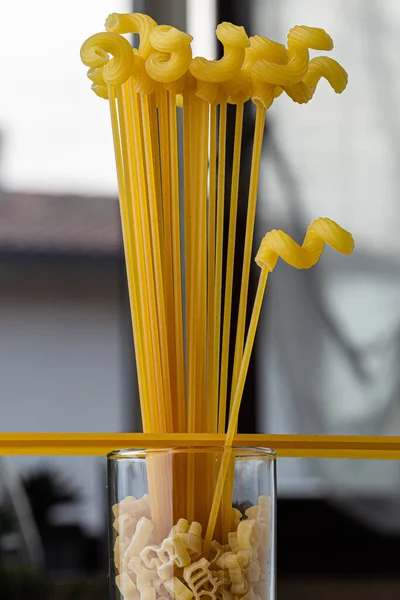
[(160, 501)]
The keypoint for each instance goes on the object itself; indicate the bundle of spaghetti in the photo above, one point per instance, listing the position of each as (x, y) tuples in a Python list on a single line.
[(173, 199)]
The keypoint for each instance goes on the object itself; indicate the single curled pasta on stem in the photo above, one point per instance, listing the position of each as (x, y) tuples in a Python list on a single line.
[(96, 51), (278, 244), (300, 39), (133, 23), (234, 40), (173, 54)]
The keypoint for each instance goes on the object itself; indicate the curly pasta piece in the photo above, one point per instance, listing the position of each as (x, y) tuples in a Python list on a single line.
[(133, 23), (99, 86), (234, 40), (302, 36), (330, 69), (300, 40), (95, 53), (321, 231), (321, 66), (262, 48), (173, 54)]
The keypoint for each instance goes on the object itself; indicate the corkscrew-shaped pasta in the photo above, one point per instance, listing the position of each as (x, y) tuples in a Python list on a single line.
[(95, 53), (234, 40), (133, 23), (323, 66), (321, 231), (262, 48), (300, 40), (173, 54), (256, 67)]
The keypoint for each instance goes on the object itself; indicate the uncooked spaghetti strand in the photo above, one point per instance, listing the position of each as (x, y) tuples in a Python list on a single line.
[(142, 199), (219, 249), (230, 267), (201, 489), (202, 273), (244, 365), (157, 264), (248, 244), (157, 168), (213, 409), (148, 280), (188, 147), (233, 418), (168, 255), (187, 101), (195, 154), (198, 193), (180, 421), (127, 235), (131, 186)]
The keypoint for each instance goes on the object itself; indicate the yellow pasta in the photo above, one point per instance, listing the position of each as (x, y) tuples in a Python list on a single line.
[(234, 40), (133, 23), (173, 54), (275, 244), (95, 54), (181, 270), (322, 231)]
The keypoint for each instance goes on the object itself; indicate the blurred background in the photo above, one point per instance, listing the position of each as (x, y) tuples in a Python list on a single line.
[(329, 342)]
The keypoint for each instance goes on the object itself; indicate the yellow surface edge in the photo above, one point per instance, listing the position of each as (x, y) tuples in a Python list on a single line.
[(100, 444)]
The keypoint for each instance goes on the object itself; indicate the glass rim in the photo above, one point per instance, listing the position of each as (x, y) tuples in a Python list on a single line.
[(243, 452)]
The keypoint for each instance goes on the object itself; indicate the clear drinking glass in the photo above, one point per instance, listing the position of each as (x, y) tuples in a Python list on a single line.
[(159, 508)]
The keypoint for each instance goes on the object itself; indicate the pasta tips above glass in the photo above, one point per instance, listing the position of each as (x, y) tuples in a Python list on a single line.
[(260, 67)]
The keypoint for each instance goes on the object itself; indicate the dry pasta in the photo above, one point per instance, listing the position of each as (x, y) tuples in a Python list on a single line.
[(181, 290)]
